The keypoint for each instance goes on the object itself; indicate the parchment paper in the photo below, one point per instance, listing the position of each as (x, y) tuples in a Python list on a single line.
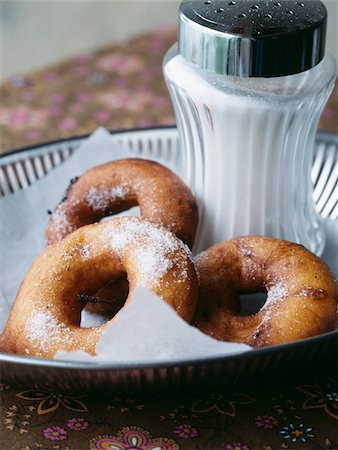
[(148, 330)]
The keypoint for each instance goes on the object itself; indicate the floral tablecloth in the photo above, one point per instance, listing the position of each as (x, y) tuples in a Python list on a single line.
[(117, 87), (281, 416)]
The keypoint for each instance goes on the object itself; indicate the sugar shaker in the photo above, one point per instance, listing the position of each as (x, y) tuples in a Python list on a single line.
[(249, 80)]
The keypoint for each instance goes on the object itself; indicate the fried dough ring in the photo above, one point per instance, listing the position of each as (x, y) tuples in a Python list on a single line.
[(119, 185), (46, 314), (301, 291)]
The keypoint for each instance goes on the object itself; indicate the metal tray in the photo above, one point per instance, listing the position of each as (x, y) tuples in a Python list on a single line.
[(22, 167)]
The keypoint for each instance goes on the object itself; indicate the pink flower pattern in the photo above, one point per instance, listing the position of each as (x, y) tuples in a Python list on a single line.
[(122, 65), (78, 424), (84, 97), (267, 422), (68, 124), (26, 96), (101, 116), (136, 101), (157, 44), (50, 76), (76, 108), (186, 431), (57, 97), (329, 112), (55, 433), (33, 135), (236, 446), (55, 110), (82, 58), (22, 117)]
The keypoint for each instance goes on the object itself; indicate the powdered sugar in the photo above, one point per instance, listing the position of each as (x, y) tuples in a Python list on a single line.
[(61, 221), (246, 251), (201, 257), (99, 198), (154, 250), (303, 293), (85, 251), (153, 265), (42, 327), (276, 292)]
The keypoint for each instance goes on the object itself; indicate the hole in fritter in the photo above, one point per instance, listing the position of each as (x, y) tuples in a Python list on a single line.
[(105, 304), (135, 211), (252, 303)]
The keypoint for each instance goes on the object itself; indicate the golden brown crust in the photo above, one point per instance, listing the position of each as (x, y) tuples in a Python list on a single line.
[(46, 314), (117, 186), (301, 291)]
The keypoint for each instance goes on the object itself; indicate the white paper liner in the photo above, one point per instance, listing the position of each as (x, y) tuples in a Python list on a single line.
[(22, 227), (149, 330), (24, 214)]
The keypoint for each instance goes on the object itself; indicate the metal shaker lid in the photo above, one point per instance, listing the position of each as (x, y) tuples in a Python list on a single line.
[(253, 38)]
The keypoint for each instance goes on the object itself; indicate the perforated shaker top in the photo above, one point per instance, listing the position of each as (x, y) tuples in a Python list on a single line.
[(248, 38)]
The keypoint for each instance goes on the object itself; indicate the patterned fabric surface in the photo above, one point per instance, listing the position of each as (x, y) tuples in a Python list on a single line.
[(296, 416), (119, 87)]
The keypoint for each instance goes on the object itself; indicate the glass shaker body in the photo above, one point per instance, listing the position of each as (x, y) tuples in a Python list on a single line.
[(247, 149)]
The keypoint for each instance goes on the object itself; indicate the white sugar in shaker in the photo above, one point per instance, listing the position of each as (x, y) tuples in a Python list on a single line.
[(249, 80)]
